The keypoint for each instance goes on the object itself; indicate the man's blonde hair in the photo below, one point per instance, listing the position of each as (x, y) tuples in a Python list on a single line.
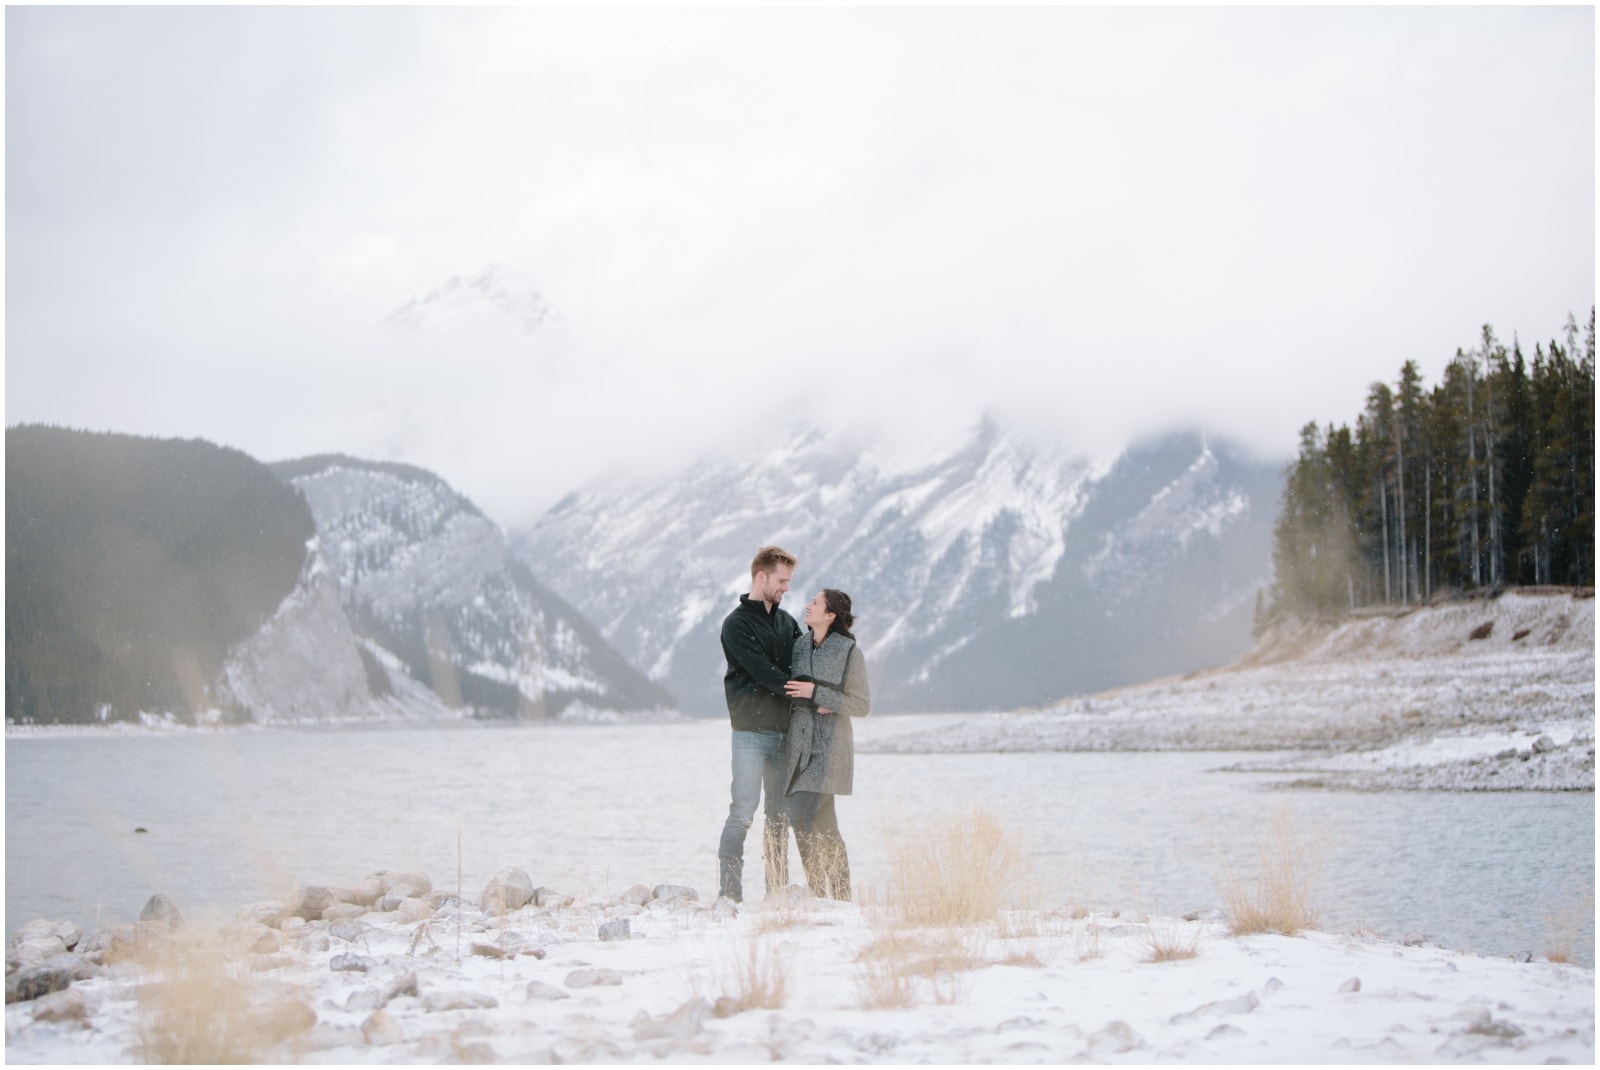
[(770, 557)]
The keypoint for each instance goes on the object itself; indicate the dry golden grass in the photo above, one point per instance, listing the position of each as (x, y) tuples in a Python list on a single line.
[(1167, 940), (1278, 897), (200, 1003), (898, 963), (1563, 925), (959, 871), (760, 978)]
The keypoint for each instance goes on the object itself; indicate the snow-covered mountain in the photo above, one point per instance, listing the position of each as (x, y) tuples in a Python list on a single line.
[(426, 577), (992, 576), (494, 291)]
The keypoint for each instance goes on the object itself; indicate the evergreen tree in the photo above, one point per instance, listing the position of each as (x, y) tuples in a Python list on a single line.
[(1486, 479)]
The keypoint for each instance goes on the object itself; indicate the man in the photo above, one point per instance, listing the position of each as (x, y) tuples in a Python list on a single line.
[(758, 641)]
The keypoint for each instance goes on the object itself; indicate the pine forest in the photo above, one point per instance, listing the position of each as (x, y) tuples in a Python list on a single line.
[(1486, 480)]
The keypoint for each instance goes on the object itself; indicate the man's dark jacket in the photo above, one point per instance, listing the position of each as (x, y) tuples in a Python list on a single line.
[(758, 645)]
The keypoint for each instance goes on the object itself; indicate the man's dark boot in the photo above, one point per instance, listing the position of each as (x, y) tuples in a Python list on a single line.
[(730, 874)]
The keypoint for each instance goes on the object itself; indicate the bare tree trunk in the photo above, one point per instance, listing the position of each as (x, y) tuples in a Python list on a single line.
[(1383, 504), (1400, 500), (1427, 533)]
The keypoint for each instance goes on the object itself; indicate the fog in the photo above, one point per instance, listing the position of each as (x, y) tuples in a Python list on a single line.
[(1092, 223)]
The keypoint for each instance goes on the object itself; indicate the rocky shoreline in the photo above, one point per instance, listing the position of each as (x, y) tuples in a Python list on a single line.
[(392, 969), (1483, 695)]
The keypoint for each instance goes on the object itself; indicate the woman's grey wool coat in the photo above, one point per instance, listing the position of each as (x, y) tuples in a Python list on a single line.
[(821, 746)]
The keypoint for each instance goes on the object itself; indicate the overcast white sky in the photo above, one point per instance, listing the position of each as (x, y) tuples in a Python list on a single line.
[(1096, 223)]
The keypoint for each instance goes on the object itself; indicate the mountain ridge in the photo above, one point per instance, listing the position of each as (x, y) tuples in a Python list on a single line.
[(993, 574)]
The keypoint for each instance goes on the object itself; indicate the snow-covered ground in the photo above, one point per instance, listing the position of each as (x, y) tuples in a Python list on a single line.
[(1407, 699), (431, 982)]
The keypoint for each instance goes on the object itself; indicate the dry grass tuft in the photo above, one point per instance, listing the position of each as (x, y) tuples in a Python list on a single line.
[(200, 1003), (760, 977), (1278, 898), (896, 964), (961, 871), (1563, 925), (1166, 940)]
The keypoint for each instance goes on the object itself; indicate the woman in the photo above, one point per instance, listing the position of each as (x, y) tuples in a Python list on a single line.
[(830, 686)]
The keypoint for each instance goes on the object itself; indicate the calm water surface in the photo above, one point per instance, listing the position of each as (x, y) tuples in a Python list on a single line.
[(233, 817)]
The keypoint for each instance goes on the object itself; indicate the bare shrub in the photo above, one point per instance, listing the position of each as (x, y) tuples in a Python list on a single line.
[(760, 977), (1563, 925), (959, 871), (897, 963), (1278, 897), (1167, 940), (199, 1003)]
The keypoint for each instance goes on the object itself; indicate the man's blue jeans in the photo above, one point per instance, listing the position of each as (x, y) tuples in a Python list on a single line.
[(758, 764)]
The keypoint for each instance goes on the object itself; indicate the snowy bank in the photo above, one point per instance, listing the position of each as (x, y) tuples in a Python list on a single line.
[(1482, 694), (653, 974)]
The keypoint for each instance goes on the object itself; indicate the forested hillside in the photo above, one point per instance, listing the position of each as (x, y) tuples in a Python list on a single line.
[(132, 565), (1483, 481)]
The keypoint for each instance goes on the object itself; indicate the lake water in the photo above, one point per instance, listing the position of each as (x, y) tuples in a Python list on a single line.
[(232, 817)]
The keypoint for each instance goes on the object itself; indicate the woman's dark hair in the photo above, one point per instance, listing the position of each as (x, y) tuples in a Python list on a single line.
[(838, 604)]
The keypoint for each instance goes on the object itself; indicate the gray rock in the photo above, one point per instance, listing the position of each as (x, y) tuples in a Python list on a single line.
[(1114, 1039), (674, 891), (682, 1023), (313, 942), (349, 930), (1219, 1008), (638, 895), (309, 902), (51, 975), (510, 889), (458, 1001), (159, 908), (325, 1036), (39, 928), (266, 941), (349, 962), (413, 909), (1544, 745), (67, 1005), (343, 912), (592, 977), (367, 892), (266, 912), (1498, 1029), (372, 999), (1507, 754), (520, 944), (1273, 984), (380, 1030), (417, 882), (539, 990), (615, 930), (33, 951), (1352, 985), (1414, 939)]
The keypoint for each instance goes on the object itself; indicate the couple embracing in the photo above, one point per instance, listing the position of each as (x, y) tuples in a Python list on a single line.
[(790, 695)]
